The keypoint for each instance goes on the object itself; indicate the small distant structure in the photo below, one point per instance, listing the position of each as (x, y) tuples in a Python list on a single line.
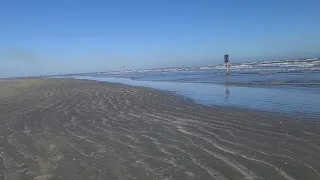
[(226, 60)]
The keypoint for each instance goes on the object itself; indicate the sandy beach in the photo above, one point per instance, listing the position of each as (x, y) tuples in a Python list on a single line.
[(81, 129)]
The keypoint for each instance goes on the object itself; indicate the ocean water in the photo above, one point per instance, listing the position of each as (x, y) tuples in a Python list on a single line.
[(286, 86)]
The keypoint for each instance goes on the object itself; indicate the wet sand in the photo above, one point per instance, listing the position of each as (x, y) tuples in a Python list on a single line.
[(81, 129)]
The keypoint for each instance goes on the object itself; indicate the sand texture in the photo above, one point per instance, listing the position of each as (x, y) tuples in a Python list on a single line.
[(80, 129)]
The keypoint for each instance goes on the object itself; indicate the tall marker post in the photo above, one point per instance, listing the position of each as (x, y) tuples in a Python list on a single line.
[(226, 60)]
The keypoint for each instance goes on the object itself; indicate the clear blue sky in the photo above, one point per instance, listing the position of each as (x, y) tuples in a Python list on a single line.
[(40, 37)]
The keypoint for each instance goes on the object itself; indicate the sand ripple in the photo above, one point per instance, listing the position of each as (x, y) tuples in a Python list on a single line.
[(78, 129)]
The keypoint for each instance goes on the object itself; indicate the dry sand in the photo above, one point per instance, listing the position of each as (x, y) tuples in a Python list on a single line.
[(79, 129)]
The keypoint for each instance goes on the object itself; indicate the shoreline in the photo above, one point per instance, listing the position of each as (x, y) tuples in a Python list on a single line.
[(242, 97), (85, 129), (209, 106)]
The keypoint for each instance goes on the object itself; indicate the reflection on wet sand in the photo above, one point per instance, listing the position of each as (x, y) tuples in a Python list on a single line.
[(227, 89), (227, 94)]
